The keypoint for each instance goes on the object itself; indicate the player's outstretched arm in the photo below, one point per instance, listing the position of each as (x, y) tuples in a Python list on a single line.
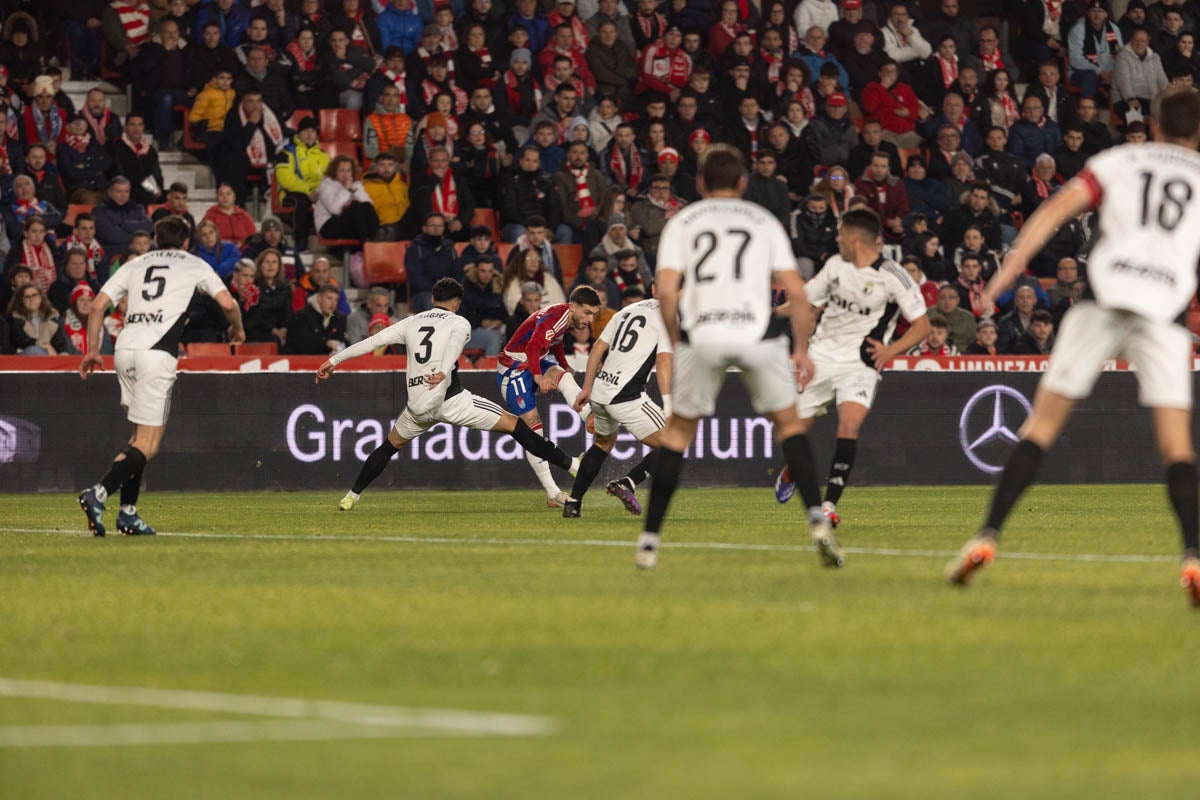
[(1076, 197), (595, 358), (92, 361), (393, 334), (233, 315)]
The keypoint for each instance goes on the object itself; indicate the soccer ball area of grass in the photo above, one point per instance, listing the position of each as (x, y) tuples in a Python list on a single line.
[(728, 672)]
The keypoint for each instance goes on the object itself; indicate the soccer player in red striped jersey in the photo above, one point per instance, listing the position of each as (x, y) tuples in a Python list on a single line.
[(534, 360)]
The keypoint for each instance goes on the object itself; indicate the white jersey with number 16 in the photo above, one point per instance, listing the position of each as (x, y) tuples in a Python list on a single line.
[(727, 250), (1145, 256)]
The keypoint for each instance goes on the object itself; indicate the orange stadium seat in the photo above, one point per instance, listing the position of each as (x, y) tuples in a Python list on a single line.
[(569, 256), (256, 349), (384, 262), (74, 210), (340, 124), (293, 121), (489, 217)]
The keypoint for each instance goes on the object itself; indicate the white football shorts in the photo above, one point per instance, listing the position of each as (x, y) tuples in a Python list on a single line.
[(465, 409), (641, 417), (837, 383), (147, 378), (1160, 352), (700, 373)]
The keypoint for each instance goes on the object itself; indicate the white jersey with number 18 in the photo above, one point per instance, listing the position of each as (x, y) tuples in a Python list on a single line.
[(727, 250), (159, 285), (1145, 256)]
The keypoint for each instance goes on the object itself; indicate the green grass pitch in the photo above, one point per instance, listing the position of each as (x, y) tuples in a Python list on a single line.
[(728, 673)]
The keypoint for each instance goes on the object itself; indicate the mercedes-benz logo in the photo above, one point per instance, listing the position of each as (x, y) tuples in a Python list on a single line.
[(986, 427)]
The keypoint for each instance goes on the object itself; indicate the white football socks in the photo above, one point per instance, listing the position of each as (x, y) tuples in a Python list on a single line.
[(568, 388), (541, 468)]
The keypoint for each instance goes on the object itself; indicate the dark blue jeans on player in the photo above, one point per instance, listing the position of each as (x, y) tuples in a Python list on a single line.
[(165, 101)]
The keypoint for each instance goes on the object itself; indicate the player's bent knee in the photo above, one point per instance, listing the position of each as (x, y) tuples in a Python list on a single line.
[(606, 443), (506, 424)]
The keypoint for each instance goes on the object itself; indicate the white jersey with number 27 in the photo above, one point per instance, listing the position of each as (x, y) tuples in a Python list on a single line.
[(1145, 256), (727, 251)]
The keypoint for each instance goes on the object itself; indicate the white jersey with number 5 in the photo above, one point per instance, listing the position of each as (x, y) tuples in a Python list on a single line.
[(727, 250), (159, 285), (434, 340), (635, 336), (1145, 256)]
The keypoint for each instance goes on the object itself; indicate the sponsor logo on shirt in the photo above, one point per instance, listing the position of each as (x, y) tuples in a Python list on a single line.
[(144, 316), (1147, 271)]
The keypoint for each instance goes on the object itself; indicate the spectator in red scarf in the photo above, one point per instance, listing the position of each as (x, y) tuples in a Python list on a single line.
[(73, 327), (444, 190), (581, 185), (34, 252), (625, 165), (665, 66), (1043, 182), (970, 286)]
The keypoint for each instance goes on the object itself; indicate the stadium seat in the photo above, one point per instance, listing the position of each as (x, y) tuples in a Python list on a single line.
[(190, 142), (489, 217), (503, 249), (460, 246), (906, 153), (384, 262), (150, 209), (256, 349), (569, 256), (340, 124), (465, 363), (74, 210), (1047, 283), (293, 121), (323, 242), (208, 349), (277, 207), (341, 147), (487, 362)]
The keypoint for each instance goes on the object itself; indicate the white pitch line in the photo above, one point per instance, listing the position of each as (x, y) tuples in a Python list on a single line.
[(132, 734), (1111, 558), (439, 720)]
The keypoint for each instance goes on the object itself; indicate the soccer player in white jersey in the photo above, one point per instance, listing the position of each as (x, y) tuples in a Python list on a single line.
[(716, 260), (159, 286), (1141, 277), (634, 341), (862, 292), (434, 340)]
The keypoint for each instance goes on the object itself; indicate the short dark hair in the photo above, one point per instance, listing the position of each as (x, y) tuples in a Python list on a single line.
[(722, 168), (84, 217), (1041, 315), (534, 221), (1177, 110), (586, 296), (864, 220), (170, 233), (329, 288), (431, 215), (939, 322), (446, 289), (621, 255)]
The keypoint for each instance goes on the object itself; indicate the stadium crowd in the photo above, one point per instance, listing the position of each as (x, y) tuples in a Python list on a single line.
[(577, 123)]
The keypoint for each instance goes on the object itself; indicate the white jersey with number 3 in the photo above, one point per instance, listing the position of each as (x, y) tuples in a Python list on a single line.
[(727, 251), (635, 336), (1145, 256), (434, 340), (159, 285)]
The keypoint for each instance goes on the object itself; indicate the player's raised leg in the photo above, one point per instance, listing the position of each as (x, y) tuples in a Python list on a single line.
[(1051, 411)]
